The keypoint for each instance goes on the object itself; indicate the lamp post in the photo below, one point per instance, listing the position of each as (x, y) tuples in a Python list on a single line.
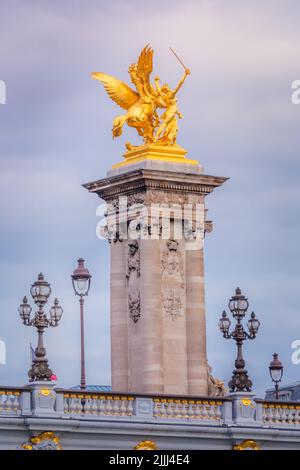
[(40, 292), (238, 305), (276, 372), (81, 280)]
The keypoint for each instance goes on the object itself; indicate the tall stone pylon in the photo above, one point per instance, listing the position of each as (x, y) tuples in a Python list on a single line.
[(156, 226)]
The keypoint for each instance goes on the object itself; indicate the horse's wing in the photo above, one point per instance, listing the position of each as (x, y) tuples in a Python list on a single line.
[(117, 90), (144, 69)]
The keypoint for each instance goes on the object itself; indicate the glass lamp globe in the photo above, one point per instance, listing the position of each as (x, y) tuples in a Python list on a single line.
[(81, 279), (56, 312), (224, 323), (238, 304), (276, 368), (253, 324), (40, 290), (25, 310)]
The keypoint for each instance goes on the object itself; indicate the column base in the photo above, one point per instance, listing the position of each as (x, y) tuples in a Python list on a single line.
[(171, 154)]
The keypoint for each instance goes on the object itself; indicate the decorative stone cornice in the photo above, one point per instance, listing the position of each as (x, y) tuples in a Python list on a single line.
[(144, 180)]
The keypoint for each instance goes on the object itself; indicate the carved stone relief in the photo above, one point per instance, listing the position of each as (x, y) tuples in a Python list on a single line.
[(163, 197), (173, 286), (113, 204), (137, 198), (133, 280)]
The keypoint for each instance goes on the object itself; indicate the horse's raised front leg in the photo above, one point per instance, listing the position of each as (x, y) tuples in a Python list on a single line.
[(119, 122)]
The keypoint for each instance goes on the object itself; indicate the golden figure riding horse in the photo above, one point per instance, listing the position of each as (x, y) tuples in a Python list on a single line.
[(141, 105)]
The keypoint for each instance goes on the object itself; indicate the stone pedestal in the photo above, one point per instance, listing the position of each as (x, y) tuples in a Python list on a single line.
[(156, 225), (245, 411), (43, 397)]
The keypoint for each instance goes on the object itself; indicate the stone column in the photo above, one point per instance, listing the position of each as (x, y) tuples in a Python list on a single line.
[(195, 318), (158, 332), (149, 376), (118, 316), (173, 294)]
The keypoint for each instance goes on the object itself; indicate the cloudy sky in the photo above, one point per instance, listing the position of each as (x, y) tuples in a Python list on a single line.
[(239, 121)]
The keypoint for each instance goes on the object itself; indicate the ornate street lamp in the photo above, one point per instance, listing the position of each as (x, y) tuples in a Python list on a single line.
[(276, 372), (81, 280), (238, 305), (40, 292)]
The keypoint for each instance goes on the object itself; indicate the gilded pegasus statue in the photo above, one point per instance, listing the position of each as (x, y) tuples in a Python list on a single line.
[(142, 105)]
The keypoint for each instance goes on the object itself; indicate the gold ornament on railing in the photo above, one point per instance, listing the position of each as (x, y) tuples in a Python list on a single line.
[(248, 444), (146, 445), (44, 441)]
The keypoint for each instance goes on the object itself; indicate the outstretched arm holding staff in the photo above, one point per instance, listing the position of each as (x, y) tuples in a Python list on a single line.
[(186, 72)]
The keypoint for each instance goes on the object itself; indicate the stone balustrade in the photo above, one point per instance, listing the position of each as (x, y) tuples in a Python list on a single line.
[(86, 404), (116, 405), (281, 414), (77, 419), (45, 399), (173, 408), (10, 402)]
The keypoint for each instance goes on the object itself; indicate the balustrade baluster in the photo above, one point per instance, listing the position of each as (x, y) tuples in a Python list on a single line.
[(87, 405), (108, 406), (170, 409), (156, 408), (123, 408), (198, 410), (94, 407), (8, 403), (130, 407), (190, 410), (66, 404), (116, 410)]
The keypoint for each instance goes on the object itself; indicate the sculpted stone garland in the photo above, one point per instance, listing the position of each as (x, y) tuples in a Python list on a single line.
[(173, 287), (133, 277)]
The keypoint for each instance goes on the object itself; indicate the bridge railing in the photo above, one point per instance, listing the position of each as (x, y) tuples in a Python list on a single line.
[(155, 407), (44, 399), (280, 413), (10, 400)]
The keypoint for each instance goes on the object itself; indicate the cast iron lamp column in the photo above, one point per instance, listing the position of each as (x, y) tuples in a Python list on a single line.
[(238, 305), (40, 292), (276, 372), (81, 280)]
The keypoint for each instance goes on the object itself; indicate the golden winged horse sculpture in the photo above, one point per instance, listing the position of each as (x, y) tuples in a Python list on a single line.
[(141, 105)]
